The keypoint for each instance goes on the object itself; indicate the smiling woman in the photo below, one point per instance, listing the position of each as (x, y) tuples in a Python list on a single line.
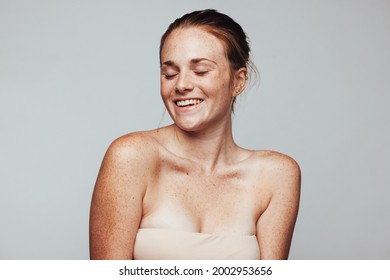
[(194, 67), (188, 191)]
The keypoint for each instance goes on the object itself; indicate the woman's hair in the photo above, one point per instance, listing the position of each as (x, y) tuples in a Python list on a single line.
[(229, 32)]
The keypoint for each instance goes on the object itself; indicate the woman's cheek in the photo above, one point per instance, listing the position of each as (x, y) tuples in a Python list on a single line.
[(165, 88)]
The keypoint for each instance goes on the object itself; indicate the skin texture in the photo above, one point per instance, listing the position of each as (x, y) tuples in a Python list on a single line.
[(191, 176)]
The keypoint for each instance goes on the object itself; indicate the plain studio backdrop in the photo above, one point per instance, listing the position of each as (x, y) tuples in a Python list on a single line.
[(75, 75)]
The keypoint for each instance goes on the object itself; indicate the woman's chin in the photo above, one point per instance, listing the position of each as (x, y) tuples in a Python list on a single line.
[(189, 126)]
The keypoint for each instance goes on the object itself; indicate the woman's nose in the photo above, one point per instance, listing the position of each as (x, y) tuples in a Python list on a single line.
[(184, 83)]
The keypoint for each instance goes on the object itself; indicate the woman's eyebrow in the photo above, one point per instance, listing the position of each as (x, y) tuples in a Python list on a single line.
[(193, 61), (168, 63), (197, 60)]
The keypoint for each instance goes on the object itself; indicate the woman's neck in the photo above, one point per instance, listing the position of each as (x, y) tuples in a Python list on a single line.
[(210, 149)]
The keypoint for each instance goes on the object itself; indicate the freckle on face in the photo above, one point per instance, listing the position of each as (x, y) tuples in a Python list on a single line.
[(181, 48), (188, 43)]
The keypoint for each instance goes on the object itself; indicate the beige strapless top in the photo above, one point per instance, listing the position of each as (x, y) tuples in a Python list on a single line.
[(168, 244)]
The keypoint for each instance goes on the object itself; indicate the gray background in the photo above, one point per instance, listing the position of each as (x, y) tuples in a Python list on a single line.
[(74, 75)]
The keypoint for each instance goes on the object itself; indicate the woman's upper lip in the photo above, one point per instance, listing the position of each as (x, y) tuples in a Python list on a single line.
[(187, 98)]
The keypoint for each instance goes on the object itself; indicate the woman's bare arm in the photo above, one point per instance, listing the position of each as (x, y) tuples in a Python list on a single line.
[(276, 225), (116, 208)]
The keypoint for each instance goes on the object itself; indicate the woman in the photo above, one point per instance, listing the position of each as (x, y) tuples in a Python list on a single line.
[(187, 191)]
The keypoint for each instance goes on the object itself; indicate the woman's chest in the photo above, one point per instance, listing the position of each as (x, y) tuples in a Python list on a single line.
[(189, 199)]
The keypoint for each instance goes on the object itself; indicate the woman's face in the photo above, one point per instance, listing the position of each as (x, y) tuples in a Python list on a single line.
[(196, 85)]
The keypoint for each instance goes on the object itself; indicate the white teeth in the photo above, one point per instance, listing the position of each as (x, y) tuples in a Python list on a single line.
[(182, 103)]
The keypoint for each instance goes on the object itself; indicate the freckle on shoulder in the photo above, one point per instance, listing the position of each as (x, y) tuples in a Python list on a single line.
[(278, 162), (136, 143)]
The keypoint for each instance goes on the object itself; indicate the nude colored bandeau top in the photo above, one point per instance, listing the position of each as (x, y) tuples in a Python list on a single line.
[(168, 244)]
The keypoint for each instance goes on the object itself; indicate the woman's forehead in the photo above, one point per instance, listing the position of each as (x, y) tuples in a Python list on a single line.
[(190, 43)]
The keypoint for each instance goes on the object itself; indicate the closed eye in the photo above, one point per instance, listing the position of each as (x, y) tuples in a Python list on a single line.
[(201, 73), (169, 76)]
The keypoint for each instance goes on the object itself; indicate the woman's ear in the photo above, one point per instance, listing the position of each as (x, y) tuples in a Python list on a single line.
[(240, 78)]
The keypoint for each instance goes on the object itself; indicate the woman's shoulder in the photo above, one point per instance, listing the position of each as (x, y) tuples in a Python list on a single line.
[(275, 160), (140, 145), (136, 140), (146, 139), (278, 168)]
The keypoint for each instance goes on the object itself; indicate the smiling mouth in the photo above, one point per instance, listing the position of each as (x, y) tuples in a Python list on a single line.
[(188, 102)]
